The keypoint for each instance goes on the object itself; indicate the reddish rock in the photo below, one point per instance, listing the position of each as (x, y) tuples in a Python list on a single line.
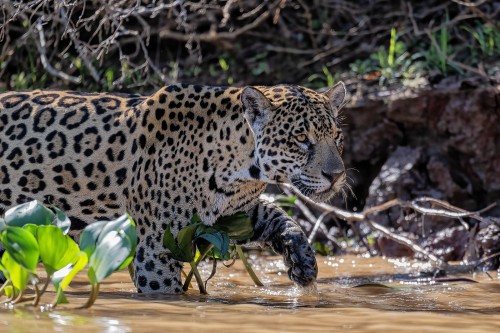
[(389, 248), (448, 244), (487, 244)]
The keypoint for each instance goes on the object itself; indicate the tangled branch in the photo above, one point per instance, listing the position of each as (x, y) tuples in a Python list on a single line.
[(147, 42), (444, 209)]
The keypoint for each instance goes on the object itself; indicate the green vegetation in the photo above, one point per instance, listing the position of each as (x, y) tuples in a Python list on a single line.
[(487, 38), (197, 241), (398, 63), (325, 79), (33, 234)]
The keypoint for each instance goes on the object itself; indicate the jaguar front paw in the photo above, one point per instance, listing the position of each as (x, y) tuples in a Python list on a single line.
[(300, 259)]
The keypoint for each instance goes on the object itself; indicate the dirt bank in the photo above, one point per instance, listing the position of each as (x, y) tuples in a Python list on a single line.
[(443, 143)]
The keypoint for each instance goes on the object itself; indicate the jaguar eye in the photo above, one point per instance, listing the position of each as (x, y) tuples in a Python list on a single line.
[(302, 138)]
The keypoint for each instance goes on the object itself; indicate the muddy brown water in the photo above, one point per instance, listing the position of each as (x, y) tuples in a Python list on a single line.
[(353, 294)]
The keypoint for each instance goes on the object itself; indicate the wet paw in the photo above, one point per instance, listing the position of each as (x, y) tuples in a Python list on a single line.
[(300, 258)]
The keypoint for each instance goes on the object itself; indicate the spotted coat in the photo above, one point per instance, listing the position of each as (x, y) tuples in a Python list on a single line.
[(184, 150)]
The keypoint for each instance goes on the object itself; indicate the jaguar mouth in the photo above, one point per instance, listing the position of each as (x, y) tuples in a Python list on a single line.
[(324, 195), (313, 194)]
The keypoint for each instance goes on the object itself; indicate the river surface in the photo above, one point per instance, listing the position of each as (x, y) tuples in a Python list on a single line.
[(353, 294)]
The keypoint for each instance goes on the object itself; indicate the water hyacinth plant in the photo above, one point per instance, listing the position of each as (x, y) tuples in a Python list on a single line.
[(33, 234)]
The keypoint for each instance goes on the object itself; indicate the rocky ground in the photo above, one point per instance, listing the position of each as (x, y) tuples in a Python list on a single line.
[(443, 143)]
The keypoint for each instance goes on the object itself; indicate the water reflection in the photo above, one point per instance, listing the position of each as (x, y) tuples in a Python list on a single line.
[(25, 319), (354, 294)]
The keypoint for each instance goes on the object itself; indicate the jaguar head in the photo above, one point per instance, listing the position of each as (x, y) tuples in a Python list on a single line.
[(298, 139)]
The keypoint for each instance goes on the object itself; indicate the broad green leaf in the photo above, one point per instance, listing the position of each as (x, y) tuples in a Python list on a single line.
[(8, 291), (185, 238), (170, 244), (22, 246), (33, 228), (212, 252), (238, 226), (4, 271), (32, 212), (56, 249), (17, 274), (182, 248), (97, 231), (127, 261), (2, 224), (63, 277), (285, 199), (90, 235), (130, 230), (218, 239), (121, 223), (196, 219), (62, 221), (110, 253)]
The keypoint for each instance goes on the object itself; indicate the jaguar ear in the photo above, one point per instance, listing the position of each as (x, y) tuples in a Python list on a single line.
[(336, 95), (257, 107)]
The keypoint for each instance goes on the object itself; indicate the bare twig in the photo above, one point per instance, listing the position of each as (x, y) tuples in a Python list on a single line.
[(214, 36), (45, 62), (78, 45), (470, 4), (447, 211)]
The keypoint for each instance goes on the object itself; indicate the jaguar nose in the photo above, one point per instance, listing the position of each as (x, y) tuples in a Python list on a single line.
[(333, 175)]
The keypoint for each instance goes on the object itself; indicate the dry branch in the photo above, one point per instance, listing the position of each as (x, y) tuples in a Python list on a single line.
[(156, 40), (446, 210)]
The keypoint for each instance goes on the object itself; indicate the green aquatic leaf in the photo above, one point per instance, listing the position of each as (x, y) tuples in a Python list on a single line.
[(4, 271), (9, 291), (90, 235), (17, 274), (110, 253), (32, 212), (62, 221), (3, 224), (96, 231), (63, 277), (196, 219), (181, 248), (128, 226), (185, 238), (170, 244), (124, 223), (286, 199), (218, 239), (33, 228), (56, 249), (21, 246), (238, 226)]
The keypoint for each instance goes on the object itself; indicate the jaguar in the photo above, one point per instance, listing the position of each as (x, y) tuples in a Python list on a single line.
[(184, 150)]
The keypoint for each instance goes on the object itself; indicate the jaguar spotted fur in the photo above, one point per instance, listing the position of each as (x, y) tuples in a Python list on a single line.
[(184, 150)]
